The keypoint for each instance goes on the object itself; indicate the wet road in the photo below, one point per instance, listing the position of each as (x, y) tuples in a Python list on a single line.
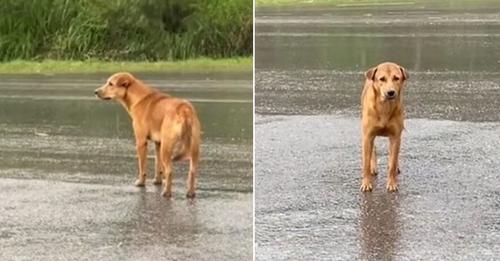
[(308, 167), (67, 167)]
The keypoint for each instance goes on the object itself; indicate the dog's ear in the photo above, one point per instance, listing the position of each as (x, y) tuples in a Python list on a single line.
[(125, 80), (370, 74), (404, 72)]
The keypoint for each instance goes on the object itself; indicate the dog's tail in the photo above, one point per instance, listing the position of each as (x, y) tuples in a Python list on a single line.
[(191, 133)]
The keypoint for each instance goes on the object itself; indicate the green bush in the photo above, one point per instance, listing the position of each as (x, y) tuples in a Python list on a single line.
[(124, 29)]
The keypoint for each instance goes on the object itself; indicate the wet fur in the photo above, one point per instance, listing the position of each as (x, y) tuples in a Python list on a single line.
[(171, 123), (382, 117)]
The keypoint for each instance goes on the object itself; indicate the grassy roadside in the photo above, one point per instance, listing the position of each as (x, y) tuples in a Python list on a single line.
[(94, 66), (140, 30), (367, 3)]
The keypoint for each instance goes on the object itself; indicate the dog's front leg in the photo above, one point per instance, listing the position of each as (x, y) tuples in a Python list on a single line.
[(142, 147), (373, 162), (395, 143), (368, 138)]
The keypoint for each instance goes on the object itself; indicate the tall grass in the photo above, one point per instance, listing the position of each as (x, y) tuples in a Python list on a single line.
[(124, 29)]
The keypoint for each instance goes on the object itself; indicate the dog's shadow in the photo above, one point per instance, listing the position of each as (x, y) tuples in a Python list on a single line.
[(380, 227)]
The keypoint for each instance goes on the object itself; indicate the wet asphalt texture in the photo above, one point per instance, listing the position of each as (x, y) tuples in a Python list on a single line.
[(68, 164), (308, 150)]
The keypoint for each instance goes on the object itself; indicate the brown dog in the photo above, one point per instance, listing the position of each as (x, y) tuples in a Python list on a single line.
[(383, 115), (171, 123)]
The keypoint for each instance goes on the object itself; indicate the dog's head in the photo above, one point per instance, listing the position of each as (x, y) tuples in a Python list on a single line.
[(115, 87), (387, 79)]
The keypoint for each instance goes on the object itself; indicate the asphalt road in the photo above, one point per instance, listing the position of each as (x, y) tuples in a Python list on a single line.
[(308, 158), (67, 167)]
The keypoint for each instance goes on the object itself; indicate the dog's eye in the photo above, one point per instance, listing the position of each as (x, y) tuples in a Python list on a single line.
[(395, 78), (383, 79), (110, 84)]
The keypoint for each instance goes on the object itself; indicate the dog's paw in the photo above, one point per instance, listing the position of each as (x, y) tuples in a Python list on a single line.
[(140, 182), (392, 186), (191, 194), (166, 194), (157, 181), (366, 186)]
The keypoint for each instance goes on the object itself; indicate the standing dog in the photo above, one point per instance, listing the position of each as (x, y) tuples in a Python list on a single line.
[(171, 123), (382, 115)]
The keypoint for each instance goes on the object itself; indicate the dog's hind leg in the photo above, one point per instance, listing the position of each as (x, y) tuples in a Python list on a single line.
[(166, 160), (193, 171), (158, 165)]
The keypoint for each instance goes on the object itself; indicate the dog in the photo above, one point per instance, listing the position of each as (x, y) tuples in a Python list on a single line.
[(171, 123), (382, 115)]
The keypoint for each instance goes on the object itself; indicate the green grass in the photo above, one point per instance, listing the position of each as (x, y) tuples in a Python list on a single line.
[(138, 30), (243, 64)]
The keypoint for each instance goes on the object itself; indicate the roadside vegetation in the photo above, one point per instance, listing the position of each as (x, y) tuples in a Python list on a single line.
[(93, 66), (124, 30)]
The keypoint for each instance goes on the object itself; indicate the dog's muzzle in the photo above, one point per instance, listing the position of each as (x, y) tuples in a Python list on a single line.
[(98, 95), (390, 95)]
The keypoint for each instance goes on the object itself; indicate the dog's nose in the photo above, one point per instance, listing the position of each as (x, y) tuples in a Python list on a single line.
[(95, 92), (391, 93)]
